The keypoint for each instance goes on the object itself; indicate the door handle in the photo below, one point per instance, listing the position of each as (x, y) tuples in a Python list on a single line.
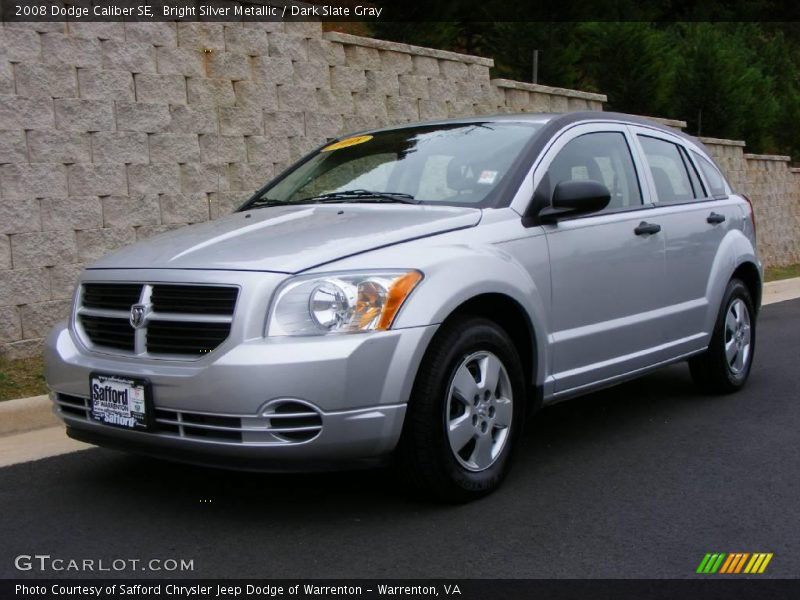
[(646, 228), (715, 218)]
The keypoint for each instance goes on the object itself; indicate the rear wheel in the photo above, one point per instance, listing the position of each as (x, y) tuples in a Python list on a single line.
[(465, 413), (725, 366)]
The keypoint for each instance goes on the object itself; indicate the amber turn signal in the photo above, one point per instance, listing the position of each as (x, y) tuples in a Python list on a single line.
[(398, 292)]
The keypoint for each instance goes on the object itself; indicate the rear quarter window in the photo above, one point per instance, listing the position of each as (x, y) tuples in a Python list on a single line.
[(716, 184)]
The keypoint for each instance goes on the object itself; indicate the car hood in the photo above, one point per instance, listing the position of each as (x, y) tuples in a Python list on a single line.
[(289, 239)]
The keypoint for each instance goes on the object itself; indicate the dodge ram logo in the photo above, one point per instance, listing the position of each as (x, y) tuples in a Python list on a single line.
[(138, 314)]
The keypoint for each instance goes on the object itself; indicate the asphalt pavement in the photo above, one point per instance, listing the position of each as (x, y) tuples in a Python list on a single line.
[(640, 480)]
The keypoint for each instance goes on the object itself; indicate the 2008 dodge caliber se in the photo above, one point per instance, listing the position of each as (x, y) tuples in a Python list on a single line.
[(411, 293)]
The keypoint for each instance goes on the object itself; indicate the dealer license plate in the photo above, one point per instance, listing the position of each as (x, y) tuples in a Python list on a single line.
[(119, 401)]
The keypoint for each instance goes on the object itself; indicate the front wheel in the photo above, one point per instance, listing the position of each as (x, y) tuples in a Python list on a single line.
[(465, 413), (725, 366)]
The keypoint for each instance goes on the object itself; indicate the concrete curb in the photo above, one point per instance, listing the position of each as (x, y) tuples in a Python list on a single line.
[(27, 414), (783, 289)]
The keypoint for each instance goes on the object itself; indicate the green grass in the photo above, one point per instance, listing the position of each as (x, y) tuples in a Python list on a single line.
[(21, 378), (775, 273)]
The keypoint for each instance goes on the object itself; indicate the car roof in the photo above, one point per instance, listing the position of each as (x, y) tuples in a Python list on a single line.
[(537, 118), (555, 122)]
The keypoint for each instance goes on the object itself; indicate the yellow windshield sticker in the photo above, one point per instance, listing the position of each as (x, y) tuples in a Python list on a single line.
[(360, 139)]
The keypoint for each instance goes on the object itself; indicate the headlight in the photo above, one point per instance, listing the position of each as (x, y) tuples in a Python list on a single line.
[(340, 303)]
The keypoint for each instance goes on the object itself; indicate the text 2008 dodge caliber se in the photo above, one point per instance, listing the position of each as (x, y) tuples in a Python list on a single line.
[(410, 294)]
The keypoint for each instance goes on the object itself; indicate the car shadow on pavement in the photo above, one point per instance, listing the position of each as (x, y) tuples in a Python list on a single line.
[(553, 436)]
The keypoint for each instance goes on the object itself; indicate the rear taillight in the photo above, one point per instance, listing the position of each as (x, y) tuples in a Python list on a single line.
[(752, 213)]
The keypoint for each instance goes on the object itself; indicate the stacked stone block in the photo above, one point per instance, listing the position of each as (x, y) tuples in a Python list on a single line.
[(729, 155), (516, 96), (773, 188)]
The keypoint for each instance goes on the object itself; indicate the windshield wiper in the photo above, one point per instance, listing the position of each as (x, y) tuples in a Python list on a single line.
[(262, 202), (336, 197), (361, 196)]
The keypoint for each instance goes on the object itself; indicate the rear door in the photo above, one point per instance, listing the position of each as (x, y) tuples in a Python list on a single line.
[(695, 213), (607, 271)]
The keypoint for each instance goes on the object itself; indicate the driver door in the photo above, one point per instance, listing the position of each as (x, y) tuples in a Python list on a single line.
[(607, 274)]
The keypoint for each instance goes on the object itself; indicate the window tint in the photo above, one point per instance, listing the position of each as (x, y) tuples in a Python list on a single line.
[(603, 157), (697, 186), (715, 181), (454, 163), (365, 172), (668, 170)]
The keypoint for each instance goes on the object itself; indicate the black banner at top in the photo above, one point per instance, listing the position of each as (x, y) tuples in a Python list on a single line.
[(466, 11)]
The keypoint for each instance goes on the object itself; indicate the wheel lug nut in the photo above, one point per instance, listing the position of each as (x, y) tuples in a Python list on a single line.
[(477, 399), (474, 420), (484, 427), (487, 394), (491, 411)]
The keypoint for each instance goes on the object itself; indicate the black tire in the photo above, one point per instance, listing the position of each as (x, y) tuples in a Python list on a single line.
[(711, 370), (425, 458)]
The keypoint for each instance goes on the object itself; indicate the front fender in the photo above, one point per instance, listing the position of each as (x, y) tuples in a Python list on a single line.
[(497, 257), (464, 273)]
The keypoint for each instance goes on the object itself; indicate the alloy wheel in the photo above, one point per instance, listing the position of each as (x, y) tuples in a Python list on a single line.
[(479, 411), (737, 336)]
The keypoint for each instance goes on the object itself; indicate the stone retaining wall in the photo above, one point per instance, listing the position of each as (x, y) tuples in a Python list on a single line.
[(111, 133), (774, 189)]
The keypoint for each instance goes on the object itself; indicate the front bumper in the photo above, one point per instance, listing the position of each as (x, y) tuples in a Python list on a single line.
[(221, 410)]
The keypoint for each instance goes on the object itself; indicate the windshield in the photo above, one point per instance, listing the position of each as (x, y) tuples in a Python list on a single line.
[(456, 164)]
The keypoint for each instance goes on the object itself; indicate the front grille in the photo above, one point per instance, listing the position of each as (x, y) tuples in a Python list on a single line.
[(182, 320), (283, 422), (193, 299), (74, 406), (193, 425), (107, 332), (116, 296), (177, 337)]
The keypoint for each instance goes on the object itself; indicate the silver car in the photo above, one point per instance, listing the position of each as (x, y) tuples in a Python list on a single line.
[(410, 294)]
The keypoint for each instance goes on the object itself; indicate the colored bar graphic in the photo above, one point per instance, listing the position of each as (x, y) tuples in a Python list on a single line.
[(741, 562), (727, 564), (714, 563), (703, 563), (734, 563), (753, 560), (754, 563), (717, 563), (710, 564), (764, 564)]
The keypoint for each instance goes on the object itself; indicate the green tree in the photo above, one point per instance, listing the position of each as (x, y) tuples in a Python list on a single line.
[(735, 80), (634, 64), (560, 52), (779, 57), (721, 88)]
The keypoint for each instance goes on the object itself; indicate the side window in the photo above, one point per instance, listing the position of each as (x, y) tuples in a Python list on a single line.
[(603, 157), (668, 170), (715, 181), (697, 186)]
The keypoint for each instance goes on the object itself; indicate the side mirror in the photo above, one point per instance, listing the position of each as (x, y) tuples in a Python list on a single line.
[(574, 198)]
